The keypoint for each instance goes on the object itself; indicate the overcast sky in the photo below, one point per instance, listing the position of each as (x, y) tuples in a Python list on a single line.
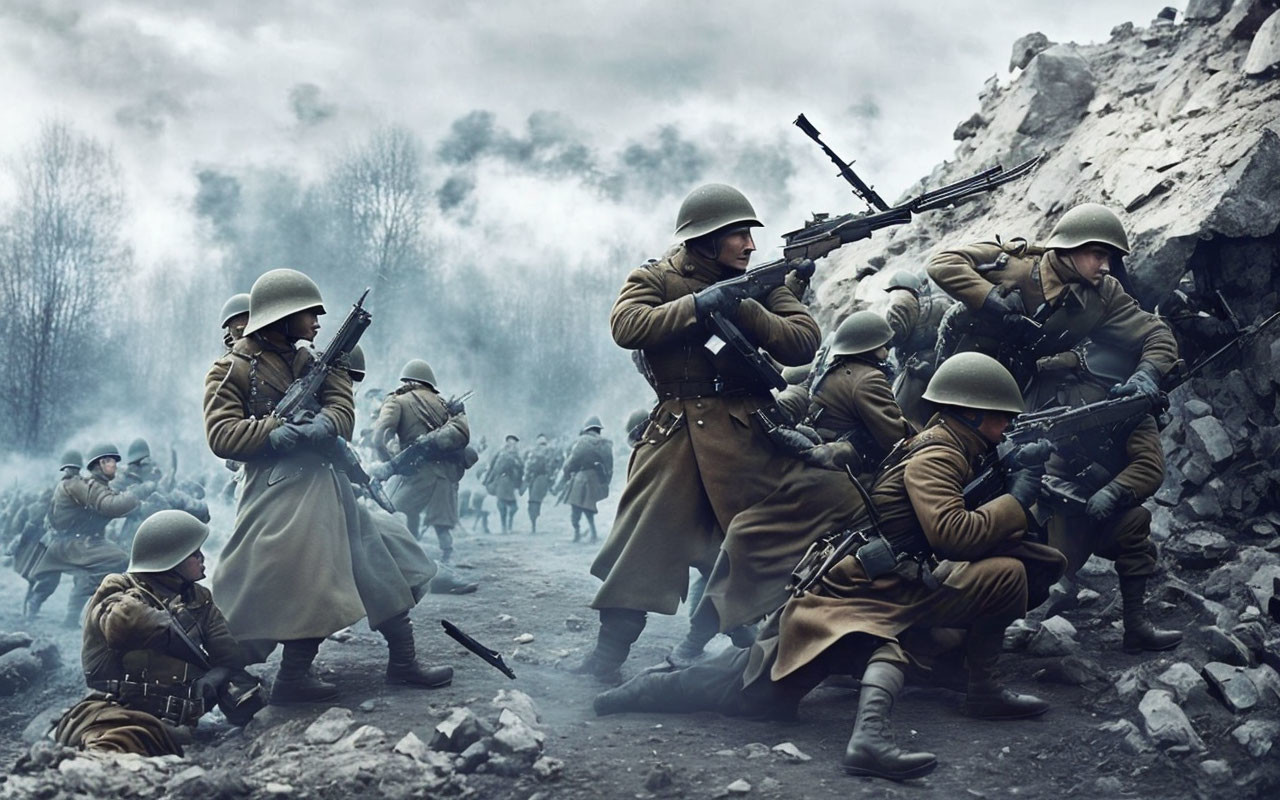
[(243, 83)]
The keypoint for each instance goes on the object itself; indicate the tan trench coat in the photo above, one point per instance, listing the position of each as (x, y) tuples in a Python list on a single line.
[(704, 457), (78, 514), (412, 411), (286, 572), (588, 471)]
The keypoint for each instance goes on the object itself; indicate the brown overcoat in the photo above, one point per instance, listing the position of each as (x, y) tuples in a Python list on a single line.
[(540, 465), (704, 457), (411, 411), (286, 572), (853, 398), (588, 471), (79, 512), (505, 476)]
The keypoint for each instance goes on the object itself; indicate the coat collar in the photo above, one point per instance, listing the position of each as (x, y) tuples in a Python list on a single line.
[(692, 265), (968, 439)]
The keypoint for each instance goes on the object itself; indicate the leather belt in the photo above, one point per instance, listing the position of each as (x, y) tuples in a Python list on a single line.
[(683, 389)]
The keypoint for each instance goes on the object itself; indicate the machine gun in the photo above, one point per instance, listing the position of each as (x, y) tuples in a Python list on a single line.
[(824, 234), (301, 400)]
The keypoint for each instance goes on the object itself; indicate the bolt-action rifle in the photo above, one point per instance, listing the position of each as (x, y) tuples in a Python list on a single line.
[(422, 449)]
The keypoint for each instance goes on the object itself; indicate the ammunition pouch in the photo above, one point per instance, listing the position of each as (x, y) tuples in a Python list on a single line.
[(171, 702), (239, 699)]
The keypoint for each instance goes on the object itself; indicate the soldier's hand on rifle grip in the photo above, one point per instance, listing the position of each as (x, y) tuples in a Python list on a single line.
[(1025, 469), (1144, 381), (284, 437), (318, 430), (1110, 500), (998, 306), (716, 299)]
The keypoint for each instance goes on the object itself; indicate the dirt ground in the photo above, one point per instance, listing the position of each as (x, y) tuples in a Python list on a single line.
[(540, 585)]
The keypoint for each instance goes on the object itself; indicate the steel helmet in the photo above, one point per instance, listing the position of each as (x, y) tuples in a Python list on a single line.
[(638, 416), (861, 332), (236, 305), (711, 207), (103, 450), (138, 450), (355, 364), (279, 293), (420, 371), (902, 279), (1086, 223), (592, 422), (72, 460), (165, 539), (974, 380)]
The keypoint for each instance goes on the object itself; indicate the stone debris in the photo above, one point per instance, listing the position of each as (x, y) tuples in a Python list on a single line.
[(517, 702), (1056, 637), (661, 776), (1165, 723), (1132, 738), (1027, 48), (740, 786), (1257, 736), (1184, 682), (458, 731), (1264, 53), (1231, 685), (548, 769), (789, 752), (524, 638), (329, 727), (515, 738)]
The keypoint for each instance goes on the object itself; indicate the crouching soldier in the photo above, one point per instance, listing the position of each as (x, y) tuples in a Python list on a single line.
[(157, 654), (861, 611)]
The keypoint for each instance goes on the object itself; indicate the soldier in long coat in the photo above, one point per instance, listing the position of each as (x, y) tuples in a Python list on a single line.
[(29, 516), (705, 456), (79, 513), (540, 466), (505, 479), (588, 470), (914, 314), (157, 653), (862, 611), (415, 412), (1067, 287), (1108, 475)]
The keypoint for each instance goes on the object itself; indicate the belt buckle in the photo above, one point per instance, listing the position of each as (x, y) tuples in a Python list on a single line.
[(670, 427)]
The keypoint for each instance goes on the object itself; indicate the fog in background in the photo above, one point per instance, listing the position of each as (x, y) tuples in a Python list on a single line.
[(491, 170)]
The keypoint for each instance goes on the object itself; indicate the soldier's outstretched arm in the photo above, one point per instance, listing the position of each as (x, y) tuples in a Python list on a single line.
[(109, 503), (227, 426), (782, 326), (643, 317), (955, 272)]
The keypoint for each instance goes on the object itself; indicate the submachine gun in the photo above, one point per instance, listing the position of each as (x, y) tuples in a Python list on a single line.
[(301, 400), (824, 234)]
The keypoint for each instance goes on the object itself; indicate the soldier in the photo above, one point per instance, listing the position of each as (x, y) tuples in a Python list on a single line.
[(505, 479), (705, 455), (1026, 301), (854, 616), (143, 479), (29, 546), (1108, 476), (157, 653), (235, 316), (914, 314), (540, 467), (587, 473), (416, 414), (78, 517), (289, 574), (139, 466)]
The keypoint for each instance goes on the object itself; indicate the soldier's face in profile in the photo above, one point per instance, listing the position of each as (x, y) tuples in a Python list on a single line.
[(1092, 262), (736, 248), (236, 325), (303, 325), (191, 568), (993, 425)]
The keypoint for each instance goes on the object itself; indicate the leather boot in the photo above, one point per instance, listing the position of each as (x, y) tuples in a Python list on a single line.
[(647, 692), (591, 523), (871, 750), (1063, 596), (1139, 633), (402, 660), (704, 624), (294, 681), (619, 629), (446, 581), (985, 698), (32, 602)]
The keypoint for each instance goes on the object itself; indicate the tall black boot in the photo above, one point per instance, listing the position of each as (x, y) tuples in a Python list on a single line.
[(39, 590), (619, 629), (402, 660), (1139, 633), (871, 749), (985, 698), (704, 624), (295, 682)]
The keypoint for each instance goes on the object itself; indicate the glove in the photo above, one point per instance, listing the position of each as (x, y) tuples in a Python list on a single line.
[(284, 437), (717, 298), (829, 456), (1110, 500), (207, 685), (920, 368), (790, 441), (1025, 469), (318, 430), (1031, 455), (1144, 381), (998, 306)]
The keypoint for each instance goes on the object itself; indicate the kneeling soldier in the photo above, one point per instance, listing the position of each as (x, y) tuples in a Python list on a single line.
[(157, 653)]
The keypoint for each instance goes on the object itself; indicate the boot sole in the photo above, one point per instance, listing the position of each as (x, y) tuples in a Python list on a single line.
[(998, 717), (417, 685), (1139, 649), (918, 772)]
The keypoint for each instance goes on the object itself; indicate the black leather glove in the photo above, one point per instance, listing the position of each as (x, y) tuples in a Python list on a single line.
[(920, 368), (1144, 381), (717, 298), (829, 456), (1110, 500), (207, 685), (998, 306), (790, 440), (318, 430), (1025, 469), (284, 437)]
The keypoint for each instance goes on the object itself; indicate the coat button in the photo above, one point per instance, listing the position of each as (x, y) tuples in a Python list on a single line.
[(698, 423), (699, 404)]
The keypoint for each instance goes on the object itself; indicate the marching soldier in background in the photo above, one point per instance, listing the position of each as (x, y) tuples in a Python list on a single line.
[(914, 314), (588, 471), (1025, 302), (540, 467), (144, 480), (1107, 477), (157, 653), (863, 609), (704, 456), (235, 316), (505, 479), (416, 415), (78, 517), (29, 546)]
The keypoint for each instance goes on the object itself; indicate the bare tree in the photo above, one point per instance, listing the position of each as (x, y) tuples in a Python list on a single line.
[(60, 255)]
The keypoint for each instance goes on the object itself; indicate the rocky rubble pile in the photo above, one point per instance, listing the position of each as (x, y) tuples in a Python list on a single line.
[(330, 756), (25, 661)]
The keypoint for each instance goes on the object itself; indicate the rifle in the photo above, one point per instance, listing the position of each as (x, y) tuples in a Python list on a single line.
[(420, 450), (492, 657), (824, 234), (301, 400)]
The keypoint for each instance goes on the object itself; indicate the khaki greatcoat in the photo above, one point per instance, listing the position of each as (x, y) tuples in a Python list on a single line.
[(540, 467), (286, 572), (79, 512), (411, 411), (588, 471), (704, 457)]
